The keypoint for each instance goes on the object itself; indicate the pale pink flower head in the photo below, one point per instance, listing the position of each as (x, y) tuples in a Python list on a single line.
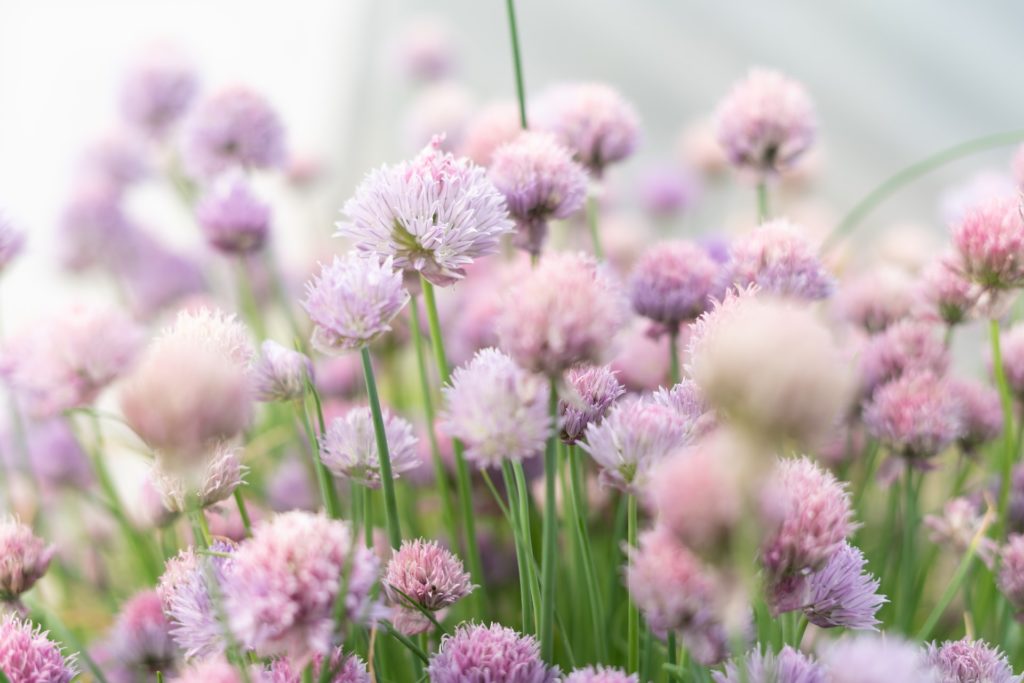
[(12, 241), (1011, 573), (592, 389), (876, 299), (427, 575), (778, 257), (601, 674), (766, 122), (540, 182), (441, 110), (220, 474), (916, 416), (349, 447), (426, 50), (214, 670), (497, 409), (904, 348), (990, 240), (669, 190), (434, 215), (281, 586), (280, 373), (187, 589), (233, 219), (875, 658), (982, 413), (353, 301), (687, 400), (489, 654), (675, 282), (593, 120), (946, 294), (489, 129), (563, 312), (233, 128), (1012, 341), (116, 159), (348, 668), (24, 558), (27, 654), (140, 640), (958, 526), (157, 91), (970, 661), (789, 666)]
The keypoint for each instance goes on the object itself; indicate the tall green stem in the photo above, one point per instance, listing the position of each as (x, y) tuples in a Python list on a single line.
[(762, 201), (1006, 464), (323, 477), (595, 236), (908, 568), (243, 511), (517, 61), (633, 628), (583, 539), (675, 374), (387, 479), (548, 541)]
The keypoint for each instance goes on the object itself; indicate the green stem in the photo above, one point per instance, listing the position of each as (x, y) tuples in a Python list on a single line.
[(247, 300), (962, 570), (548, 541), (1006, 464), (595, 236), (583, 540), (672, 652), (523, 563), (243, 511), (368, 518), (908, 568), (517, 61), (387, 479), (675, 375), (633, 629), (200, 528), (323, 477), (762, 201)]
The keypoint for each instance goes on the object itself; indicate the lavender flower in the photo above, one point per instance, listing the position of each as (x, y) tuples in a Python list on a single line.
[(234, 127), (779, 259), (429, 576), (876, 299), (592, 390), (947, 294), (497, 409), (140, 641), (426, 50), (353, 302), (24, 558), (492, 654), (970, 661), (57, 459), (990, 240), (280, 373), (349, 447), (220, 475), (674, 282), (687, 400), (11, 242), (233, 219), (488, 130), (842, 593), (186, 590), (349, 669), (1011, 572), (600, 674), (872, 658), (93, 228), (157, 91), (27, 654), (667, 190), (789, 666), (917, 416), (434, 215), (116, 160), (154, 276), (905, 347)]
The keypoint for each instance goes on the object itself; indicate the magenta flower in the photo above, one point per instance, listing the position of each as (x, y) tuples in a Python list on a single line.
[(349, 669), (957, 661), (489, 654), (916, 416), (233, 219), (842, 594), (140, 641), (675, 282), (353, 301), (434, 215), (280, 373), (349, 447), (1011, 572), (875, 658), (234, 127), (990, 240), (780, 260), (492, 127), (592, 390), (496, 408), (947, 294), (157, 91), (789, 666), (905, 347), (186, 590), (428, 576), (27, 654), (24, 558), (600, 674)]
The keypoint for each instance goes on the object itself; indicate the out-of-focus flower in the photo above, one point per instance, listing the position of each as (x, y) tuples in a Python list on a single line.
[(564, 312), (434, 215), (499, 410), (697, 146), (489, 653), (234, 127), (140, 641), (290, 488), (426, 50), (686, 399), (1011, 572), (234, 220), (24, 558), (27, 654), (349, 447), (674, 282), (990, 240), (958, 526), (641, 355), (875, 658), (982, 413), (601, 674), (157, 90), (540, 182), (439, 110), (1012, 342), (115, 159), (917, 416), (904, 348), (221, 474), (780, 260), (766, 122), (789, 666), (946, 293), (153, 276), (56, 457), (958, 201), (353, 301), (429, 576), (842, 594), (490, 128), (667, 190), (592, 390), (11, 242), (962, 661), (349, 669), (93, 228), (877, 298), (187, 591), (280, 373), (215, 671), (593, 120)]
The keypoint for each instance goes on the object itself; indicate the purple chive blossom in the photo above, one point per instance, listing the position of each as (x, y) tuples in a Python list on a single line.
[(353, 301), (496, 408), (424, 573), (11, 242), (24, 558), (601, 674), (1011, 572), (439, 110), (93, 228), (215, 671), (686, 399), (990, 241), (489, 654), (157, 91), (140, 641), (982, 413), (562, 313), (290, 488), (958, 526), (220, 475), (187, 589), (674, 282), (434, 215), (592, 390), (667, 190), (970, 661), (57, 459), (946, 293), (155, 277), (280, 589), (348, 668), (906, 347), (766, 122), (540, 182), (876, 299), (916, 416), (789, 666), (349, 447), (779, 259), (875, 658), (842, 594), (233, 219), (634, 436), (233, 128), (1013, 358), (280, 373), (28, 655), (115, 159), (488, 130), (426, 50)]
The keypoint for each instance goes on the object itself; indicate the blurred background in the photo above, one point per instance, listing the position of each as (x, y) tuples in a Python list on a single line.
[(893, 82)]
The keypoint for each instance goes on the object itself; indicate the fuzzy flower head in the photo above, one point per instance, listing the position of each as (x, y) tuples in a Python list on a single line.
[(27, 655), (563, 312), (186, 590), (668, 190), (157, 91), (233, 219), (280, 590), (945, 292), (990, 240), (917, 416), (842, 594), (24, 558), (970, 661), (349, 447), (11, 242), (216, 480), (982, 413), (601, 674), (674, 282), (594, 121), (234, 128), (780, 260), (540, 182), (960, 525), (874, 658), (876, 299), (904, 348), (495, 125), (434, 215), (1011, 572), (280, 373), (766, 122), (348, 669), (429, 576), (789, 666), (426, 50), (1013, 358), (489, 654), (353, 301), (215, 670), (499, 410), (140, 640), (592, 390)]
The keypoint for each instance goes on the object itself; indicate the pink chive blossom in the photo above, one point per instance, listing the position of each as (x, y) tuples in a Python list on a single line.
[(280, 373), (290, 488), (140, 640), (425, 50), (634, 436), (916, 416), (982, 413), (27, 654), (489, 654), (601, 674), (157, 91), (956, 661), (877, 298), (1012, 341), (990, 241), (155, 276), (842, 594), (1011, 572), (233, 219), (563, 312), (495, 125), (93, 228), (875, 658), (540, 182), (499, 410), (349, 669), (668, 190), (674, 283), (428, 576), (809, 515), (57, 459), (945, 293), (11, 242), (117, 159), (687, 400), (220, 475), (233, 128), (778, 257), (24, 558), (349, 447), (433, 215), (591, 391), (215, 671), (788, 666), (960, 525), (959, 200), (187, 590), (766, 122), (906, 347), (280, 589), (353, 301), (440, 110)]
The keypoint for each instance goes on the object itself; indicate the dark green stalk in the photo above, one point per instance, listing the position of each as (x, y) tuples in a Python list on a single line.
[(1006, 399), (387, 479), (675, 375), (243, 511), (517, 61), (633, 629), (548, 541)]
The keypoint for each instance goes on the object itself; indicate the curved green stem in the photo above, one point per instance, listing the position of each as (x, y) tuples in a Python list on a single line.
[(323, 476), (387, 479), (517, 61)]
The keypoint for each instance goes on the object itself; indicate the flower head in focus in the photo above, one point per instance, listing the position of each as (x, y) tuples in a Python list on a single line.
[(24, 558), (429, 576), (842, 594), (917, 416), (591, 389), (348, 668), (349, 447), (27, 654), (674, 282), (220, 475), (600, 674), (495, 654), (990, 241), (970, 660), (186, 590), (788, 666), (780, 260)]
